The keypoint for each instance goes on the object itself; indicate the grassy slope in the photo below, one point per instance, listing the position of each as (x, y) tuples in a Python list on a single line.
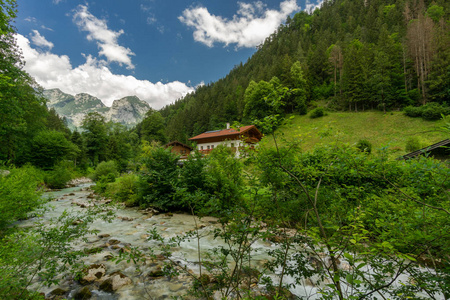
[(391, 129)]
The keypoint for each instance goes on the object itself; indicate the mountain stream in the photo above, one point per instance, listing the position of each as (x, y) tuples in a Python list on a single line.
[(129, 228)]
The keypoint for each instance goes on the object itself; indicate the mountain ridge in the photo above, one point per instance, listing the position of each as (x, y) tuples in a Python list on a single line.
[(128, 110)]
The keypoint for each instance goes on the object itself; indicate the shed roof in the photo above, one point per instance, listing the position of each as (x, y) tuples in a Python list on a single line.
[(225, 133), (174, 143), (426, 149)]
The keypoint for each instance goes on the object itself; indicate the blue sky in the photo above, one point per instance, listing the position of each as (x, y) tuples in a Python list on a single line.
[(158, 50)]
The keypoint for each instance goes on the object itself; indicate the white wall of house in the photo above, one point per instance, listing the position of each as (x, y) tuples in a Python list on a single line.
[(228, 143)]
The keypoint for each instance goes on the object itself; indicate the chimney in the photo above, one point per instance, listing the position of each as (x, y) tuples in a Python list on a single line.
[(228, 125)]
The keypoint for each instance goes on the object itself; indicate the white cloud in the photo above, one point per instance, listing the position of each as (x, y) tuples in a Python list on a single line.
[(46, 28), (106, 39), (40, 41), (94, 77), (248, 28), (310, 7), (31, 19)]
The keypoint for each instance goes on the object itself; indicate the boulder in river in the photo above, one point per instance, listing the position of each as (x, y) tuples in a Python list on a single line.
[(92, 273), (56, 293), (83, 294), (113, 242), (114, 282)]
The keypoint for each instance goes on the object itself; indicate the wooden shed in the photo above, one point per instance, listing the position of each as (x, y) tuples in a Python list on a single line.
[(179, 148), (439, 150)]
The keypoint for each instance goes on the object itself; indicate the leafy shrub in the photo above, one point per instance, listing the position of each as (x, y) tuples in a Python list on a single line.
[(124, 189), (158, 179), (413, 144), (412, 111), (104, 169), (59, 176), (433, 112), (18, 194), (364, 146), (430, 111), (323, 91), (50, 147), (302, 108), (313, 104), (224, 178), (317, 113)]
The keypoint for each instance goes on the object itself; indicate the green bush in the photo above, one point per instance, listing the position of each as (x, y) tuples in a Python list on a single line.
[(224, 178), (302, 108), (124, 189), (412, 111), (105, 168), (59, 176), (158, 179), (433, 112), (317, 113), (430, 111), (364, 146), (19, 194), (413, 144), (50, 147)]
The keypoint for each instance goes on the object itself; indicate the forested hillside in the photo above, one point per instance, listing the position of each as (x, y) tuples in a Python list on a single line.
[(355, 55)]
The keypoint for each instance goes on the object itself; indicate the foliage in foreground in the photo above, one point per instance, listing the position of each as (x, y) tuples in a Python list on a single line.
[(18, 194), (43, 252)]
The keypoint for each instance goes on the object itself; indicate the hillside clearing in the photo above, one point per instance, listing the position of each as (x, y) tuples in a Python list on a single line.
[(390, 130)]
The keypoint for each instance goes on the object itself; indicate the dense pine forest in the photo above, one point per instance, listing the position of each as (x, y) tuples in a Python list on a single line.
[(348, 55)]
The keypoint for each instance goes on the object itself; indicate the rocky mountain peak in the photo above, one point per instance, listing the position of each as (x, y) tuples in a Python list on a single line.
[(84, 98), (128, 110)]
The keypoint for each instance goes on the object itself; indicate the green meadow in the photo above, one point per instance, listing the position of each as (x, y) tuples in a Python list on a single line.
[(392, 130)]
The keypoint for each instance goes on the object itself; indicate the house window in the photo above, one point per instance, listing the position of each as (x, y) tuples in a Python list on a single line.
[(201, 147), (208, 147), (212, 146), (232, 145), (183, 151)]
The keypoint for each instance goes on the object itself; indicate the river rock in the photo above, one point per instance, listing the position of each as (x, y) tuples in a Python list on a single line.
[(77, 222), (125, 249), (156, 273), (57, 292), (78, 181), (108, 256), (175, 287), (115, 281), (103, 235), (113, 242), (93, 273), (315, 263), (309, 282), (83, 294)]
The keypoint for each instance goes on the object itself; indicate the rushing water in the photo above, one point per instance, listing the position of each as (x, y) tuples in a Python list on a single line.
[(129, 228)]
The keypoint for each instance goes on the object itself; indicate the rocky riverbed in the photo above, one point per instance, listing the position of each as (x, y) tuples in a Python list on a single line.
[(104, 278)]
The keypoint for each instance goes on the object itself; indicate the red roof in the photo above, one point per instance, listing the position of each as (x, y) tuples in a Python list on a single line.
[(224, 133)]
